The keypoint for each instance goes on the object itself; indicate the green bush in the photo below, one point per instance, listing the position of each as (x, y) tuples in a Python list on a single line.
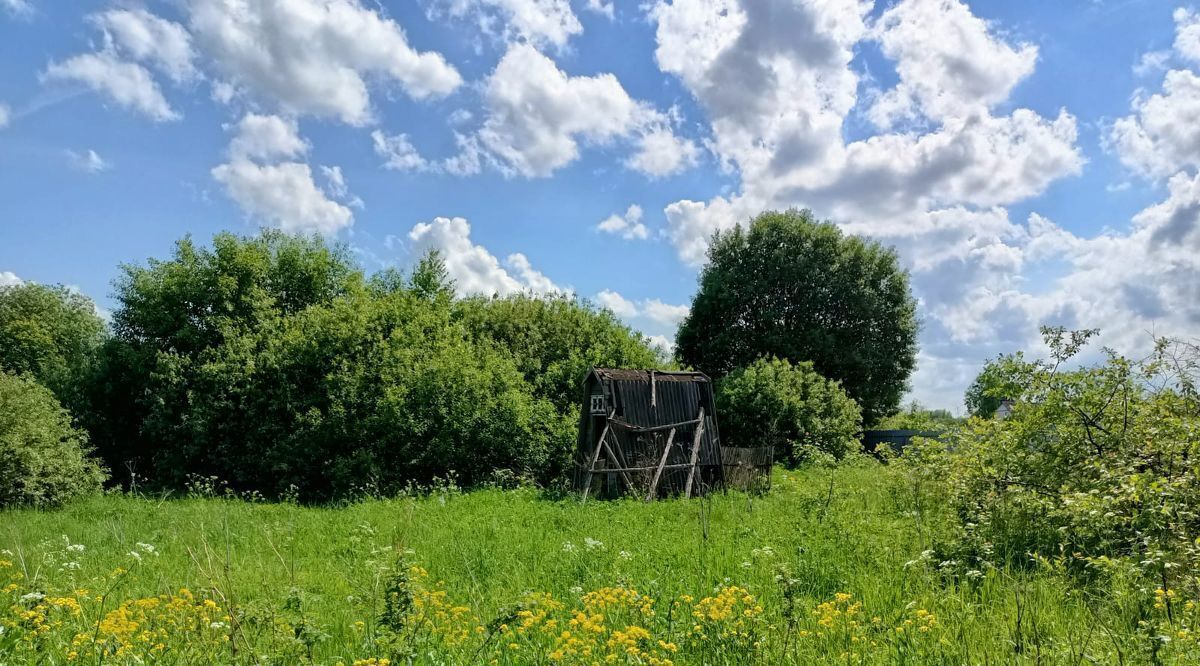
[(775, 403), (51, 333), (370, 390), (1096, 467), (44, 460), (178, 320), (271, 363), (553, 341)]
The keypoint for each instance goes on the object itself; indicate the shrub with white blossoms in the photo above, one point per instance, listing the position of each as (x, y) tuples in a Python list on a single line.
[(1095, 468)]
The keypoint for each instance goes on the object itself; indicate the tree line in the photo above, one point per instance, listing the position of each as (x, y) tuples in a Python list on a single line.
[(274, 363)]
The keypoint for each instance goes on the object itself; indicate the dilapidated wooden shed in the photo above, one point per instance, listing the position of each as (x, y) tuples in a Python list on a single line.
[(648, 432)]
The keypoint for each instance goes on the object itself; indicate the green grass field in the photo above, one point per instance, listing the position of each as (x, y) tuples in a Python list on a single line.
[(804, 575)]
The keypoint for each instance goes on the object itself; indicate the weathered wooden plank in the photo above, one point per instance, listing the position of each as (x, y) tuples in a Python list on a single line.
[(646, 469), (587, 481), (616, 461), (687, 488), (641, 430), (661, 464)]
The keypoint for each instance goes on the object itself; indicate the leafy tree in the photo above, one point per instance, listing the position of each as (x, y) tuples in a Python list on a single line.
[(772, 402), (554, 340), (271, 362), (199, 296), (789, 286), (430, 279), (367, 390), (173, 316), (51, 333), (44, 459)]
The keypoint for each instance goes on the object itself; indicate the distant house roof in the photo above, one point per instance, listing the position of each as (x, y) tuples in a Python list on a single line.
[(1005, 409)]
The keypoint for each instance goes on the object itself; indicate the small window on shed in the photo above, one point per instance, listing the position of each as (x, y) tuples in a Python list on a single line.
[(599, 405)]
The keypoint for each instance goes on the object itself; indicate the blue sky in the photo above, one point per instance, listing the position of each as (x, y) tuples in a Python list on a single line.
[(1032, 162)]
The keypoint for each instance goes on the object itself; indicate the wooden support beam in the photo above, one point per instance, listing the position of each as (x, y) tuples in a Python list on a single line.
[(687, 489), (587, 480), (645, 469), (658, 473), (616, 461), (641, 430)]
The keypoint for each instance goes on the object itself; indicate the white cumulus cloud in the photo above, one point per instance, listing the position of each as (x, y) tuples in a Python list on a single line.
[(128, 84), (473, 268), (1187, 33), (949, 63), (628, 226), (315, 56), (266, 137), (539, 22), (620, 306), (397, 152), (147, 38), (282, 193), (537, 115), (601, 7), (1163, 134), (933, 181)]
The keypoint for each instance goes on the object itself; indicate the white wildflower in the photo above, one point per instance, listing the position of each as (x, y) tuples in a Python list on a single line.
[(568, 547), (32, 596), (593, 544)]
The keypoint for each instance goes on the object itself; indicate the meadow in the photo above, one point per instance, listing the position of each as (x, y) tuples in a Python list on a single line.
[(833, 566)]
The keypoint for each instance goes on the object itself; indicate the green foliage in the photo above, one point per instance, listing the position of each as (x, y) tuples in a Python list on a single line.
[(271, 363), (917, 417), (51, 333), (44, 459), (1095, 467), (192, 301), (989, 388), (430, 279), (366, 391), (554, 340), (791, 407), (177, 316), (791, 287)]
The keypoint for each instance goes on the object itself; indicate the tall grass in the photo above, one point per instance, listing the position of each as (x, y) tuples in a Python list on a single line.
[(837, 565)]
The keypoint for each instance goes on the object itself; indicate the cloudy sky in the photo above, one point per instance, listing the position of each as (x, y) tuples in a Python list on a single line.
[(1033, 162)]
